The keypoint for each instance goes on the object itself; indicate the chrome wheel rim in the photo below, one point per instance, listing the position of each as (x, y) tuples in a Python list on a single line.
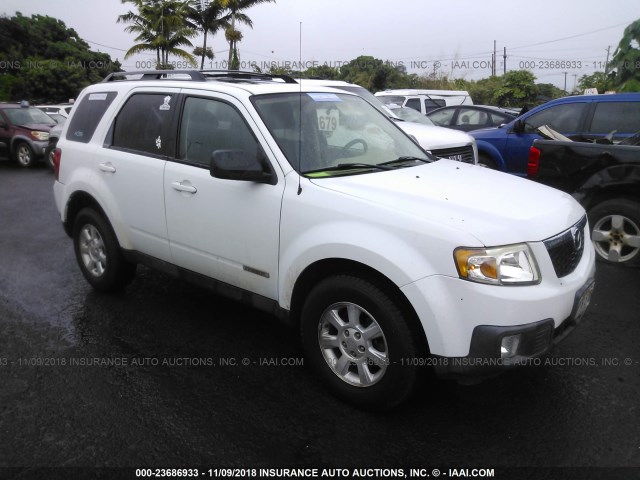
[(92, 251), (353, 344), (616, 238)]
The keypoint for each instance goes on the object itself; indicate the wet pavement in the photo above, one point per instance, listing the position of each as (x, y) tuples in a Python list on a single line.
[(167, 375)]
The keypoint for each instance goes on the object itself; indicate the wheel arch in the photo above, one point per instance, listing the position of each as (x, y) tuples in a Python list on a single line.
[(329, 267), (485, 148), (76, 203)]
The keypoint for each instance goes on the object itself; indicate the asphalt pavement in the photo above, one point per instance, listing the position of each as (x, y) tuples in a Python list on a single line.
[(166, 375)]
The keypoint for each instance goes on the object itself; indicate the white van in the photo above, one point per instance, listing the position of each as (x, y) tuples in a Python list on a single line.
[(425, 100)]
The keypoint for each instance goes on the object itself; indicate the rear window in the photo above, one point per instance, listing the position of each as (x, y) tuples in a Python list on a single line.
[(87, 115), (624, 117)]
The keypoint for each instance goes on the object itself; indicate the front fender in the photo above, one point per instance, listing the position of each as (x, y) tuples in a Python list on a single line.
[(486, 148)]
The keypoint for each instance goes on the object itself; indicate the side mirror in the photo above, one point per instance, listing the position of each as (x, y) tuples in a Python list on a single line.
[(241, 165), (4, 126), (518, 127)]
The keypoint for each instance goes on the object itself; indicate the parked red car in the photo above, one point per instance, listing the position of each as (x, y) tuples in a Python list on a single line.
[(24, 132)]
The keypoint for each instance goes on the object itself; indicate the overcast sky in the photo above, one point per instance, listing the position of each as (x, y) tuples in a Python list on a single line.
[(454, 37)]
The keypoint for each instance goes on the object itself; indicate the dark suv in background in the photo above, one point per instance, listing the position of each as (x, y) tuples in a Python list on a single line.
[(24, 132)]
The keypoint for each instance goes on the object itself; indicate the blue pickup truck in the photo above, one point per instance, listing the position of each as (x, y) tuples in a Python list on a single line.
[(583, 118)]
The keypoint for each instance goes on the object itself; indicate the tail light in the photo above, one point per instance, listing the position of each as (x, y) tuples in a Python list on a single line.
[(56, 162), (534, 162)]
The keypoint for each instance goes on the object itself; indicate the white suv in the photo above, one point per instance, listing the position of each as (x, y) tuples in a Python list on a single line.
[(309, 203)]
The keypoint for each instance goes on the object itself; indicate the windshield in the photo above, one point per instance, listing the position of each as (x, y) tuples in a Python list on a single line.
[(336, 130), (410, 115), (25, 116)]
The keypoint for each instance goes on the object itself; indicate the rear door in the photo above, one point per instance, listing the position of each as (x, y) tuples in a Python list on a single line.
[(132, 165), (566, 118), (228, 230), (620, 119)]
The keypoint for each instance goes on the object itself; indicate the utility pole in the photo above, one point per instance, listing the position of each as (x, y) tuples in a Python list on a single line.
[(504, 61), (565, 81), (606, 64), (493, 62)]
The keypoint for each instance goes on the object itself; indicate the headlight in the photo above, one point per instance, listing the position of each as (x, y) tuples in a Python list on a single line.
[(42, 136), (508, 265)]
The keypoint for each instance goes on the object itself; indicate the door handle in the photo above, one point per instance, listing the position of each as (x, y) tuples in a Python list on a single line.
[(107, 167), (184, 187)]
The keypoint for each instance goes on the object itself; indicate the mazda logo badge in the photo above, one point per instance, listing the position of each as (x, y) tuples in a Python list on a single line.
[(578, 238)]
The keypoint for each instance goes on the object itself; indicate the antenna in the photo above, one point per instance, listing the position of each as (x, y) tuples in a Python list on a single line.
[(300, 114)]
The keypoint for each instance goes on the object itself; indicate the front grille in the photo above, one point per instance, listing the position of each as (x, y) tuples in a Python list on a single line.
[(461, 154), (566, 248)]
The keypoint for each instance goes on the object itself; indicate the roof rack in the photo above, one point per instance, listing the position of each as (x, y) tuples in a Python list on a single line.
[(244, 75), (195, 75)]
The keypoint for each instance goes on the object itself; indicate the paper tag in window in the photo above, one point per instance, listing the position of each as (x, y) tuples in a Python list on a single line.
[(328, 119)]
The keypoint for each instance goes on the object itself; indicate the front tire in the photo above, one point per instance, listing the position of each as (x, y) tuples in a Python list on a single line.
[(358, 341), (98, 253), (487, 162), (615, 226), (23, 155)]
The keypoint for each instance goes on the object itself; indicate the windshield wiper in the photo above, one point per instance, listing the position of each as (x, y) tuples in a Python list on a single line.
[(404, 160), (350, 166)]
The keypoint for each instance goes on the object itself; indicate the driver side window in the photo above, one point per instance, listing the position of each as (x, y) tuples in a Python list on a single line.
[(208, 125)]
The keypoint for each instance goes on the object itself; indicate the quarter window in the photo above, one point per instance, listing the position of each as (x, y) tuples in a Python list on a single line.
[(87, 116)]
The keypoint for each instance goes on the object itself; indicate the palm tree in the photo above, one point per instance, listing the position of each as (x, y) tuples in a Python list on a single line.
[(160, 26), (236, 7), (209, 16)]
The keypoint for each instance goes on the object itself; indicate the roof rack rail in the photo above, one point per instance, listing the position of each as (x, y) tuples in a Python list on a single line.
[(244, 75), (194, 75)]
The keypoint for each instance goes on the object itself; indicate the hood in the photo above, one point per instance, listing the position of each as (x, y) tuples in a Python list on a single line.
[(43, 127), (494, 207), (489, 132), (431, 137)]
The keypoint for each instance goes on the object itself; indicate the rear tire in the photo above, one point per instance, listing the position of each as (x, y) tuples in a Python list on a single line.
[(615, 231), (358, 341), (98, 253)]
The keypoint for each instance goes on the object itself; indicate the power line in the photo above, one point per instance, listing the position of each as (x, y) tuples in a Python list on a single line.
[(570, 37)]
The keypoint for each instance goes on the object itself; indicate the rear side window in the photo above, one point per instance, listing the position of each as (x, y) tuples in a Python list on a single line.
[(624, 117), (87, 115), (563, 118), (443, 117), (142, 124)]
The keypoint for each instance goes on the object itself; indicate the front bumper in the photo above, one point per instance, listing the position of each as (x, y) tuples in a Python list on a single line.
[(486, 354)]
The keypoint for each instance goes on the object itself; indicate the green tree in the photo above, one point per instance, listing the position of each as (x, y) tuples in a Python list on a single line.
[(162, 26), (518, 89), (598, 80), (626, 60), (371, 73), (49, 62)]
